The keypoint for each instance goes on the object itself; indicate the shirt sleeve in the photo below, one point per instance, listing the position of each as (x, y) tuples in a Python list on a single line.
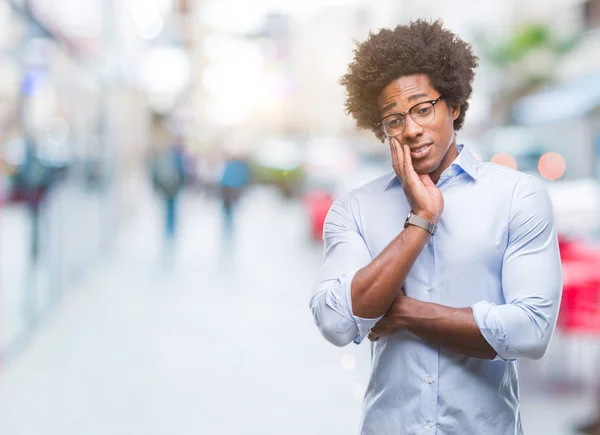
[(531, 279), (345, 254)]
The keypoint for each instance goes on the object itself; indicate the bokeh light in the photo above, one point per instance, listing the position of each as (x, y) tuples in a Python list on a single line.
[(552, 166), (504, 160)]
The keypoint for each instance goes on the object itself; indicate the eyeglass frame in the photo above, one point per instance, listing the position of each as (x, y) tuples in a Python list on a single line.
[(407, 112)]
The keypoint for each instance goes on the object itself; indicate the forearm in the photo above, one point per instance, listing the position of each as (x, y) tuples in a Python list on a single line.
[(376, 285), (452, 328)]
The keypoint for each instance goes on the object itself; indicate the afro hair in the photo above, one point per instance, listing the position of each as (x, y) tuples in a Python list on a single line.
[(421, 47)]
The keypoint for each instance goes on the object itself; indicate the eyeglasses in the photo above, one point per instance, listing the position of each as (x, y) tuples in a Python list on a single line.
[(422, 113)]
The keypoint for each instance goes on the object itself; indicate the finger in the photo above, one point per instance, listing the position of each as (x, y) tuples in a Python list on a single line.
[(409, 169), (399, 159), (394, 154)]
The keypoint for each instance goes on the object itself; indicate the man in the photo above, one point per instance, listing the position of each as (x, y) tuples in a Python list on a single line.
[(235, 178), (466, 285), (168, 178), (33, 179)]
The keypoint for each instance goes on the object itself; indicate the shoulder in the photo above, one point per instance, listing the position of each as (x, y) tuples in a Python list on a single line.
[(493, 172), (525, 196), (532, 196), (528, 194), (371, 189), (350, 203), (501, 178)]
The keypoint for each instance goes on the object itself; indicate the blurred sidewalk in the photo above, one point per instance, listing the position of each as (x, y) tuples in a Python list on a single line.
[(220, 342), (70, 235)]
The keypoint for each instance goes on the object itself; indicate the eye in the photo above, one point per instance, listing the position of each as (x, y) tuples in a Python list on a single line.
[(394, 122), (424, 110)]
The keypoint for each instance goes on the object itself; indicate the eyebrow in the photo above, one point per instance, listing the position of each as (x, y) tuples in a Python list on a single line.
[(411, 98), (417, 96), (388, 107)]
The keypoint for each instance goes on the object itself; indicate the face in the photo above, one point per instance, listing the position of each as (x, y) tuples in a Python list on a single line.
[(433, 145)]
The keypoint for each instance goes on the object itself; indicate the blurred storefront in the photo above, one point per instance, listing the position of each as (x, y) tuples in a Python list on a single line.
[(51, 114), (86, 125), (564, 117), (567, 115)]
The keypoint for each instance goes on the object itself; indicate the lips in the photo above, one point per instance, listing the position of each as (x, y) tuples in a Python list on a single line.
[(420, 151)]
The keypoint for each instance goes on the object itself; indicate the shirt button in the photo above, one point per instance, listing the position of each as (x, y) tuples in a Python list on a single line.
[(429, 288), (430, 380), (430, 425)]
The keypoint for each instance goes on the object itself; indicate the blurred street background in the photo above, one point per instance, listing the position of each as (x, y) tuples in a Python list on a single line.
[(166, 167)]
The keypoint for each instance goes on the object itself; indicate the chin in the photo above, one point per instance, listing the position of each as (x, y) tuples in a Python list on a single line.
[(426, 167)]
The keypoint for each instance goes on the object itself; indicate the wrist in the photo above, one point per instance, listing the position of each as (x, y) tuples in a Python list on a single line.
[(428, 224), (402, 309), (433, 218)]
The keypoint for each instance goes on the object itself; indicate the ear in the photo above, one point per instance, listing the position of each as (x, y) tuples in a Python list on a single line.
[(455, 111)]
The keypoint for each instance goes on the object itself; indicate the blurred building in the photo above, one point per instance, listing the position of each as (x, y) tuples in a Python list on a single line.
[(81, 82)]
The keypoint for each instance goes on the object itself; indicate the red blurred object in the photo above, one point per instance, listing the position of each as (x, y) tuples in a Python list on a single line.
[(317, 203), (580, 306)]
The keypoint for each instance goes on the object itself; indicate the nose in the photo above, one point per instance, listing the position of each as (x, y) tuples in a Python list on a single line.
[(412, 130)]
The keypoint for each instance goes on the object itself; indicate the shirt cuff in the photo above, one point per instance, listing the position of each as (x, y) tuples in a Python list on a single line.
[(363, 325), (492, 329)]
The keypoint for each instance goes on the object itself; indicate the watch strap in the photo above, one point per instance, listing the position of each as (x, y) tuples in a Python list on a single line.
[(418, 221)]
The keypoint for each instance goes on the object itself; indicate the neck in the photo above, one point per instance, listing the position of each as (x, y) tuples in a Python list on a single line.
[(450, 156)]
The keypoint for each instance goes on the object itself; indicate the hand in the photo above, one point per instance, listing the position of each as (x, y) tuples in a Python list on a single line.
[(424, 197), (388, 323)]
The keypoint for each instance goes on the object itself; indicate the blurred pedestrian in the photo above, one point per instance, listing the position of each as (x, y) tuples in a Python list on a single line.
[(235, 178), (33, 178), (450, 266), (168, 177)]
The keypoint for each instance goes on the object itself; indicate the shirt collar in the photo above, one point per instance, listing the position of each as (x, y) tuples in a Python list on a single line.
[(466, 161)]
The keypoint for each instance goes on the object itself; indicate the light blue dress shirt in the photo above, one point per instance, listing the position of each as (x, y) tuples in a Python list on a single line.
[(495, 250)]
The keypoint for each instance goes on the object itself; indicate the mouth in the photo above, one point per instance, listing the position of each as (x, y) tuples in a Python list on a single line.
[(421, 151)]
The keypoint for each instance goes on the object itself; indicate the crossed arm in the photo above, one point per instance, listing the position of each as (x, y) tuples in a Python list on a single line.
[(374, 292), (452, 328), (367, 298)]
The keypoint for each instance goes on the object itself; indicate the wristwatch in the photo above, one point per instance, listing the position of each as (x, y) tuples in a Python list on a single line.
[(418, 221)]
